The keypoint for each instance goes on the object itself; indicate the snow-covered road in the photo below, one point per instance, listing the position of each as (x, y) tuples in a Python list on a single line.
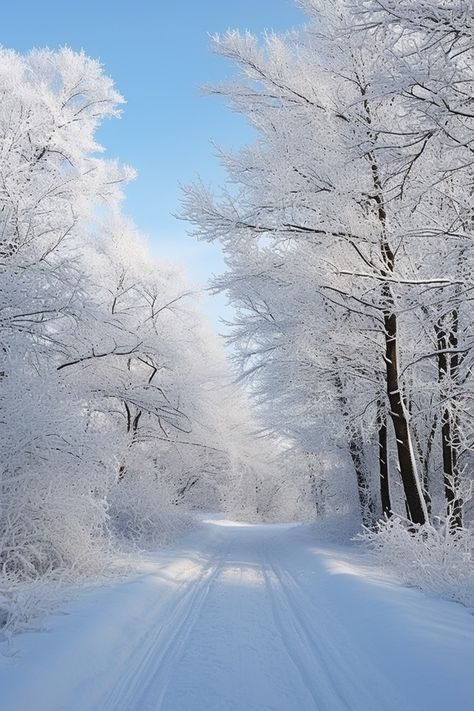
[(248, 618)]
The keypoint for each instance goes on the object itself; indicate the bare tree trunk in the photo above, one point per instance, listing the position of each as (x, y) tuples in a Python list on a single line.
[(414, 498), (448, 368), (191, 481), (132, 429), (356, 449), (383, 459), (317, 483), (425, 464), (367, 504), (415, 502)]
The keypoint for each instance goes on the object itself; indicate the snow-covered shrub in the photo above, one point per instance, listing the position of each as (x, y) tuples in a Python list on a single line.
[(53, 508), (141, 511), (438, 561), (53, 481)]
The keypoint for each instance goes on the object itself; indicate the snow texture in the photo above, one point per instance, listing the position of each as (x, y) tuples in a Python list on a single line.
[(253, 617)]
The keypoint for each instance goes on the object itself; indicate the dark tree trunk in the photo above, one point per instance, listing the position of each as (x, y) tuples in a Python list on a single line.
[(383, 459), (413, 495), (183, 490), (415, 502), (425, 465), (317, 485), (367, 505), (448, 369), (356, 449), (132, 429)]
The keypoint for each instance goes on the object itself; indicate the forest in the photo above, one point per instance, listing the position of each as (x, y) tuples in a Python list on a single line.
[(343, 392)]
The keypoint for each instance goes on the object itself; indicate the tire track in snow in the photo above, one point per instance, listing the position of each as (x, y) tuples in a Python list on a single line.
[(144, 686), (234, 658), (300, 648), (350, 676), (328, 670)]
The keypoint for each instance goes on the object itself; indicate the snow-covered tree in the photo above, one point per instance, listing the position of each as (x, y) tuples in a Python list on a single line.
[(111, 383), (332, 224)]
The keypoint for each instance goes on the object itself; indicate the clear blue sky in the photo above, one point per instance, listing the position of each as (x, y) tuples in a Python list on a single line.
[(158, 54)]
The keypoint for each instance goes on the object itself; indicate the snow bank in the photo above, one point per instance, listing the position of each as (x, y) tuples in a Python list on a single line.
[(438, 562)]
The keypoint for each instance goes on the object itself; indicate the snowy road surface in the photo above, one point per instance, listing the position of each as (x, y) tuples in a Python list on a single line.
[(248, 618)]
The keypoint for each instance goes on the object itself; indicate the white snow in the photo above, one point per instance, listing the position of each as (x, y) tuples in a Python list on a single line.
[(247, 618)]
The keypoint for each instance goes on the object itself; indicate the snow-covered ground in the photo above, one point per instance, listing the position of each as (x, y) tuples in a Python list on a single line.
[(247, 618)]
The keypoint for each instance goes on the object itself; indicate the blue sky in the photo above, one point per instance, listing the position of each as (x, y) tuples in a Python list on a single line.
[(158, 54)]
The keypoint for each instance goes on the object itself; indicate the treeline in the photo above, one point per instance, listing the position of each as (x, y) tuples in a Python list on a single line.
[(113, 391), (347, 232)]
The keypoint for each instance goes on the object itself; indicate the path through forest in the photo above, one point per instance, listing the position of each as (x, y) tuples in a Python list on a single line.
[(248, 618)]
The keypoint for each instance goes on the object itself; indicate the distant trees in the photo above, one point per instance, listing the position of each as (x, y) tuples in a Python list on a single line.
[(347, 230)]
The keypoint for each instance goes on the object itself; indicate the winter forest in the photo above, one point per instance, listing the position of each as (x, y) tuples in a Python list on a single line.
[(334, 409)]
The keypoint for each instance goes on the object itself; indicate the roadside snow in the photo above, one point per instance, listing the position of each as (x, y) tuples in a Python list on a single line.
[(248, 618)]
